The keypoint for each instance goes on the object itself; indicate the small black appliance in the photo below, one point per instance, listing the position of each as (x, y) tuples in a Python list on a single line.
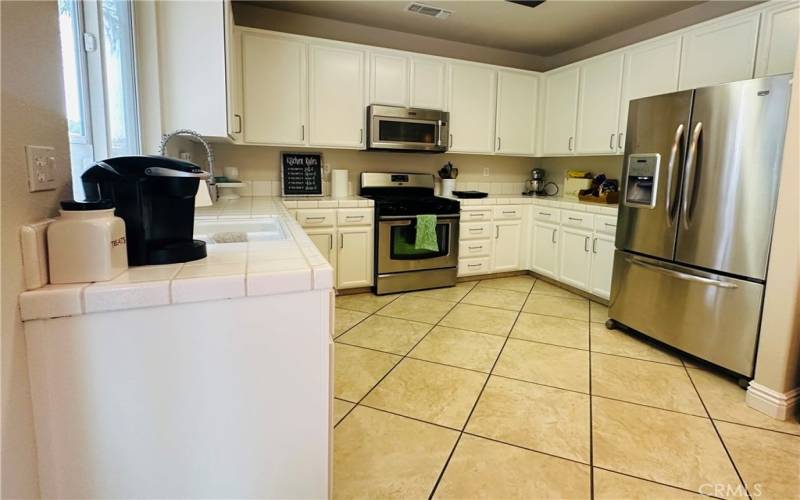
[(154, 195)]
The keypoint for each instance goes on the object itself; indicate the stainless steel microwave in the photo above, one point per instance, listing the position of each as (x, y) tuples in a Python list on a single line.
[(407, 129)]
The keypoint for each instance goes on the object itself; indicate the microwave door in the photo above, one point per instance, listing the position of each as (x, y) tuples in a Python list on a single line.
[(732, 175), (655, 146)]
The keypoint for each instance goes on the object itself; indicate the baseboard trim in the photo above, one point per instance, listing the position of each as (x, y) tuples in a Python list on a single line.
[(778, 405)]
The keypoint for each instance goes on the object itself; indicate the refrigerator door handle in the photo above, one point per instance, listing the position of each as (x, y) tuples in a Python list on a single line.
[(691, 164), (680, 275), (673, 155)]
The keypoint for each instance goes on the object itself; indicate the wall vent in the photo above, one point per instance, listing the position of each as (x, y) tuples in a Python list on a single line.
[(428, 10)]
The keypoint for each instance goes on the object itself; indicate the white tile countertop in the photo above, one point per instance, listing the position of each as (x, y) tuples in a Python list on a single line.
[(551, 201), (231, 270)]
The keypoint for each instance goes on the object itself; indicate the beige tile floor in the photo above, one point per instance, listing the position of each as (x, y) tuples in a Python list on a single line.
[(513, 388)]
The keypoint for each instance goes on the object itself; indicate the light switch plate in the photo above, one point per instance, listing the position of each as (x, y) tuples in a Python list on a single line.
[(41, 168)]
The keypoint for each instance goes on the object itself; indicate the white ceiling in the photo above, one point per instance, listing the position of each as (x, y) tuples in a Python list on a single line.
[(548, 29)]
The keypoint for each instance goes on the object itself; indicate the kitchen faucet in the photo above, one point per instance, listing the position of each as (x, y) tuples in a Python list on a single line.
[(212, 183)]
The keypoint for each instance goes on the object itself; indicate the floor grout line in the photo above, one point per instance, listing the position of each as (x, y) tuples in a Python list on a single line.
[(591, 416)]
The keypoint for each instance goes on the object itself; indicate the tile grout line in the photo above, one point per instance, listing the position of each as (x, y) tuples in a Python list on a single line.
[(719, 436), (591, 416), (480, 394)]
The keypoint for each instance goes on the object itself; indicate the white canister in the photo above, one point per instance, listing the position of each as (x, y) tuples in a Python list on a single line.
[(86, 243), (339, 183), (447, 187)]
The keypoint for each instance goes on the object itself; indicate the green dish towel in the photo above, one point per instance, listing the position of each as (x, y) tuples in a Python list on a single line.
[(426, 233)]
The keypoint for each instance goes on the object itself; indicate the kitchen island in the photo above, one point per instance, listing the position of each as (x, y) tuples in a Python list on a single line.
[(209, 378)]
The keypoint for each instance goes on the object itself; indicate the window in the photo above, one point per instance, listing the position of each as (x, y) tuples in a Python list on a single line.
[(97, 52)]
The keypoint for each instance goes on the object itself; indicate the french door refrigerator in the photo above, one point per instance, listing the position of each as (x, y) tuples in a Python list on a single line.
[(698, 195)]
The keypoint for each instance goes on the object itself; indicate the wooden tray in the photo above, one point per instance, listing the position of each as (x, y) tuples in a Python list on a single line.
[(611, 198)]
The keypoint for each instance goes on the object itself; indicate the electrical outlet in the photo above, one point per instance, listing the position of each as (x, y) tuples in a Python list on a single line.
[(41, 168), (486, 172)]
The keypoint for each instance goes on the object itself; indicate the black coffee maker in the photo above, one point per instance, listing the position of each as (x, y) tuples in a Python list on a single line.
[(154, 195)]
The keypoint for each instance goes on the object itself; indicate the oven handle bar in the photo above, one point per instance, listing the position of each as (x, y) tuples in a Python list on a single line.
[(412, 217)]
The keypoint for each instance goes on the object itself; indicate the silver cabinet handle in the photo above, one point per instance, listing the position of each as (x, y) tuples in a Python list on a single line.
[(594, 245), (476, 248), (476, 230), (576, 219), (611, 142), (330, 242), (673, 155), (570, 143), (608, 224), (314, 218), (356, 217), (510, 212), (545, 213), (341, 241), (498, 144), (476, 214), (496, 232), (302, 132), (450, 144), (691, 163), (554, 234), (680, 275), (474, 265), (586, 244), (360, 135), (239, 123), (620, 144)]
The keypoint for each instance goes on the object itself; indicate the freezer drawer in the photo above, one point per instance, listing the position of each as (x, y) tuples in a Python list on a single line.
[(713, 317)]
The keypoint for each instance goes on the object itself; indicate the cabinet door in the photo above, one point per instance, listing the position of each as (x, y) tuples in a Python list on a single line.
[(575, 257), (544, 255), (354, 267), (650, 69), (560, 112), (192, 67), (337, 98), (602, 265), (428, 83), (598, 105), (505, 254), (472, 108), (517, 94), (324, 240), (719, 52), (274, 89), (388, 80), (233, 75), (777, 40)]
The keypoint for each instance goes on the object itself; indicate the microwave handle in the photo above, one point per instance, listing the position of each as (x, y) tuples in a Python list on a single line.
[(438, 132)]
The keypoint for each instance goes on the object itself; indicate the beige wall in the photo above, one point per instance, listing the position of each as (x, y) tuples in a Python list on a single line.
[(778, 362), (32, 113)]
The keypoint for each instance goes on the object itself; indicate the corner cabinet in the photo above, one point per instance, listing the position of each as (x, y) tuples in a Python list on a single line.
[(274, 89), (337, 97), (473, 89), (544, 251), (560, 111), (517, 94)]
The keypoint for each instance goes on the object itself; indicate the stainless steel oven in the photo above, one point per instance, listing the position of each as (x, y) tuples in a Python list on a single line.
[(407, 129), (401, 266)]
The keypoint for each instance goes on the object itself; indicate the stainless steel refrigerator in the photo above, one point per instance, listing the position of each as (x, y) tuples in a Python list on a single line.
[(698, 195)]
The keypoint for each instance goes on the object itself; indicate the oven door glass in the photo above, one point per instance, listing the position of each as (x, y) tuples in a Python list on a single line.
[(402, 240), (407, 131)]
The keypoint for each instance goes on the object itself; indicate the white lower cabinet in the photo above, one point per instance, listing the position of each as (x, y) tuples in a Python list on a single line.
[(544, 255), (354, 261), (506, 253), (325, 241), (575, 258), (602, 265)]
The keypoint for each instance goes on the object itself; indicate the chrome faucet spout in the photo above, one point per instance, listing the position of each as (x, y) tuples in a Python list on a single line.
[(209, 154)]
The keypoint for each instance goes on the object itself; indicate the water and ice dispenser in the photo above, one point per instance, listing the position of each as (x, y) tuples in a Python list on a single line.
[(642, 180)]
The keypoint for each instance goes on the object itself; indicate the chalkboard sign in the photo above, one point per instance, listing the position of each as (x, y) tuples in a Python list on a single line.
[(301, 174)]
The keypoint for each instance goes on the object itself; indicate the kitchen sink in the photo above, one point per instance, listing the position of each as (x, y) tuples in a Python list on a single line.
[(239, 231)]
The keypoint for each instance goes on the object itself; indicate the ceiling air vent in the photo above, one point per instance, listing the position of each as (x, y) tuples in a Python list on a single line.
[(428, 10)]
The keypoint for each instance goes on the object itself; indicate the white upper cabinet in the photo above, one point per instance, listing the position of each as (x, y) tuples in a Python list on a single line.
[(472, 108), (598, 105), (388, 79), (560, 111), (777, 40), (337, 97), (193, 66), (651, 68), (274, 89), (719, 52), (517, 96), (428, 81)]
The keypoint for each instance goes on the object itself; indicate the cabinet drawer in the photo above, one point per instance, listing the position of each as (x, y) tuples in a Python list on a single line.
[(476, 215), (605, 224), (475, 230), (467, 267), (474, 248), (577, 219), (354, 216), (547, 214), (507, 213), (316, 218)]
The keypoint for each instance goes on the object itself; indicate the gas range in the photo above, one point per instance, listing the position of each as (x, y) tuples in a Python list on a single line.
[(399, 264)]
